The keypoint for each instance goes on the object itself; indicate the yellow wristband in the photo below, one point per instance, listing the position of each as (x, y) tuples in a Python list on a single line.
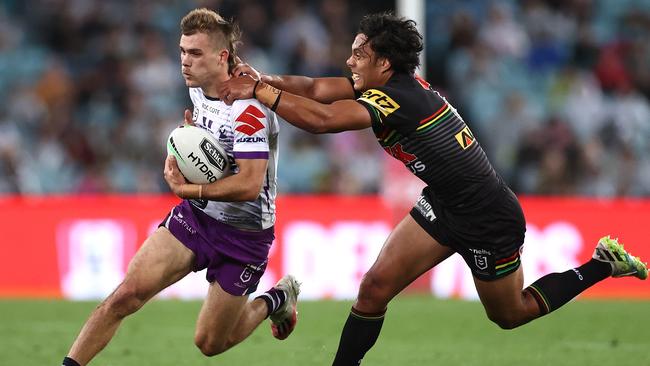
[(268, 95)]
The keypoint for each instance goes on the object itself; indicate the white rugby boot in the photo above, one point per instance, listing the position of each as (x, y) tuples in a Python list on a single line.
[(284, 319)]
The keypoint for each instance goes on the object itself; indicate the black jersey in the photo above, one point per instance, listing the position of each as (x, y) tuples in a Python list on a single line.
[(417, 126)]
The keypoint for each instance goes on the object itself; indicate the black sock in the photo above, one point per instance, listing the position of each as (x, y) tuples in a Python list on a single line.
[(556, 289), (67, 361), (360, 333), (274, 298)]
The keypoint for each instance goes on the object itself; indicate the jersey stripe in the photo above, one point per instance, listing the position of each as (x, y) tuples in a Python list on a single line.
[(434, 114), (439, 118)]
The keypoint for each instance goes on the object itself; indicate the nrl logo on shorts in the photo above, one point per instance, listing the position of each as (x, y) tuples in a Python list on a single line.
[(480, 261), (481, 258), (246, 275)]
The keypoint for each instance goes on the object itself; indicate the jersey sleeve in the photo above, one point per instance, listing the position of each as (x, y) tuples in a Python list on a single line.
[(251, 130), (381, 106)]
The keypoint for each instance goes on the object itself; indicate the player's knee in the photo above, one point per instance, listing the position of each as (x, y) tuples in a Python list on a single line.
[(210, 346), (374, 291), (505, 321), (124, 301)]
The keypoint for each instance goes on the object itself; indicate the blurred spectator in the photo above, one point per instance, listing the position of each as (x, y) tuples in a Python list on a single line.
[(514, 121), (583, 75), (304, 166), (299, 38), (502, 34)]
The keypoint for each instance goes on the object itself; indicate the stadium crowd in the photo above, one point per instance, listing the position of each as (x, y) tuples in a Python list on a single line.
[(556, 91)]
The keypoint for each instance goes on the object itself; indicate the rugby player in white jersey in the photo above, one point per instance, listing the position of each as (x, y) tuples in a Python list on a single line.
[(225, 226)]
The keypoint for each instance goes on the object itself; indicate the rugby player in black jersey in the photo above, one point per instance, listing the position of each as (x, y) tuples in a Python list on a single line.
[(466, 207)]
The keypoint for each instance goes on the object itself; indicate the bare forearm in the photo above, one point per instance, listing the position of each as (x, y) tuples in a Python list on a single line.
[(310, 115), (299, 85), (301, 112), (228, 189), (323, 90)]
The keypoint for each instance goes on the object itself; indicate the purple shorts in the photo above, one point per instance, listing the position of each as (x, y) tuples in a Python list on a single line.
[(236, 259)]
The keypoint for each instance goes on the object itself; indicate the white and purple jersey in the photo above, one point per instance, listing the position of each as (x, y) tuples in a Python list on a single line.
[(246, 130)]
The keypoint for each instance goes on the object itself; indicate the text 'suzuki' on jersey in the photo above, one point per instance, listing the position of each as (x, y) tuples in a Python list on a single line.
[(250, 121)]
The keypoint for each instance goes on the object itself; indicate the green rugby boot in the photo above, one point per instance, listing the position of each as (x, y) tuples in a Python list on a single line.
[(623, 264)]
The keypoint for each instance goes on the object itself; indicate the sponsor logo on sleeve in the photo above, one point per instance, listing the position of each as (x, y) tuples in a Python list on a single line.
[(465, 138), (384, 104), (250, 121)]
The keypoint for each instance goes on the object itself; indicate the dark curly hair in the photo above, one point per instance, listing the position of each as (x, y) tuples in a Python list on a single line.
[(394, 38)]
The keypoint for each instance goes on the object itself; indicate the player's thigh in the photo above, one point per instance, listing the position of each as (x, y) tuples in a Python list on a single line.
[(408, 252), (161, 261), (219, 315), (502, 296)]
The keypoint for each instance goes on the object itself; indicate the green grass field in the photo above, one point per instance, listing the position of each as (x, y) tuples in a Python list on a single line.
[(418, 331)]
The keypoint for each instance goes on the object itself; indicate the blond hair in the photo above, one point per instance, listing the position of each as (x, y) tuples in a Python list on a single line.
[(224, 33)]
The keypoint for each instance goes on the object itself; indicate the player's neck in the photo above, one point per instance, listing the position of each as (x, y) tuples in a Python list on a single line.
[(386, 76), (381, 80), (212, 89)]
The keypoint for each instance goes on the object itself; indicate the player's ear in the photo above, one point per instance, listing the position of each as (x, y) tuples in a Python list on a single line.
[(223, 56), (384, 64)]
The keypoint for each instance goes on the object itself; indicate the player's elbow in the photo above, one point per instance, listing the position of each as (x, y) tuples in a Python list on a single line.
[(327, 125), (313, 123), (321, 121), (318, 128), (250, 195), (250, 190)]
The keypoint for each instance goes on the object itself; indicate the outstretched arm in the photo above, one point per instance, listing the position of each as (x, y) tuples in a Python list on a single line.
[(304, 113), (323, 90)]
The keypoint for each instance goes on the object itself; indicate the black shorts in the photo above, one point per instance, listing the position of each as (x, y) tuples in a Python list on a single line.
[(490, 241)]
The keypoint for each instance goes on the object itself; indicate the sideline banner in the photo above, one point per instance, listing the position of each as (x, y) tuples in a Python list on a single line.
[(78, 247)]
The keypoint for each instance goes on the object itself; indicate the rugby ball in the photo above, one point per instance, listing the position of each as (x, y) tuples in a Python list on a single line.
[(200, 157)]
